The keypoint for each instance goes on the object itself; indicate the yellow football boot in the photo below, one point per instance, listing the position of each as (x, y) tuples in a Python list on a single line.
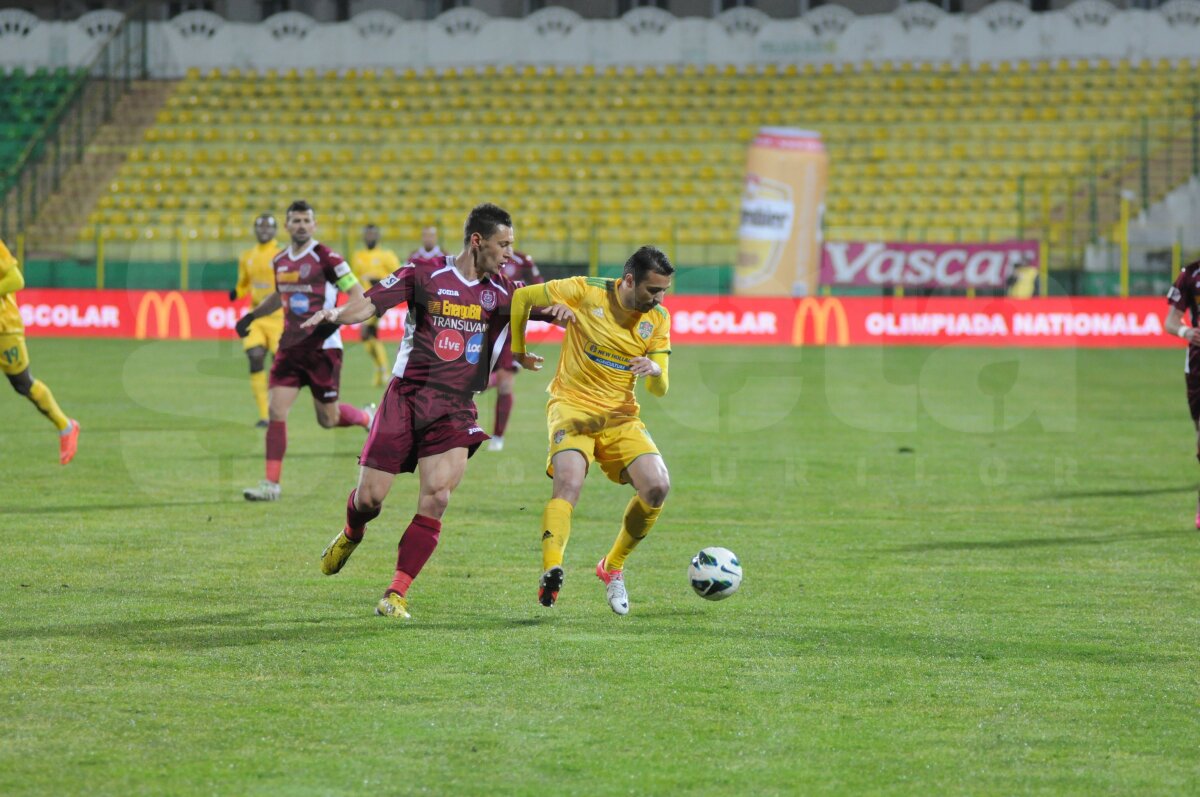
[(393, 605), (334, 557)]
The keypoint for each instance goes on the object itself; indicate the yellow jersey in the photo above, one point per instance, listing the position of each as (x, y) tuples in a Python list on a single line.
[(12, 281), (256, 273), (372, 265), (593, 371)]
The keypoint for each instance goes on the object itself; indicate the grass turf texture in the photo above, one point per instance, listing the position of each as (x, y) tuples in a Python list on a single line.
[(944, 594)]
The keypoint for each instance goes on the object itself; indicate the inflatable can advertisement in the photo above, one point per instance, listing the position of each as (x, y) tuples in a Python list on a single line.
[(779, 249)]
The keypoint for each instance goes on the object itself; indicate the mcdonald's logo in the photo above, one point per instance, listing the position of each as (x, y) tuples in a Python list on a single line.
[(823, 312), (162, 306)]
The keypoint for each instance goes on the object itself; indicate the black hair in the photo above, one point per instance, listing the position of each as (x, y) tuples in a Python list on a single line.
[(484, 219), (370, 227), (300, 206), (645, 260)]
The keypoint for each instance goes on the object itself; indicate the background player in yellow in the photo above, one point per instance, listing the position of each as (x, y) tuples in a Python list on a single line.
[(619, 332), (256, 279), (370, 265), (14, 358)]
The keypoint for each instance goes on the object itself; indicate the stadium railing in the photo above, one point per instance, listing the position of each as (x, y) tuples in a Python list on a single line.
[(63, 138)]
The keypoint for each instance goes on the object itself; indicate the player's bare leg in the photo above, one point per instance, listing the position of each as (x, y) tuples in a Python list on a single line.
[(332, 414), (362, 506), (570, 469), (280, 399), (439, 475), (648, 475), (504, 380)]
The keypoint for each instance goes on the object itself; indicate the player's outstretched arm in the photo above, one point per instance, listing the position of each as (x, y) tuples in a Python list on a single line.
[(524, 299), (268, 306), (1175, 326), (355, 311)]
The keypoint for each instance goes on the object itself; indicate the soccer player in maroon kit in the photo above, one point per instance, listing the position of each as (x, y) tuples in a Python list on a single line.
[(310, 275), (1182, 298), (518, 268), (429, 253), (455, 329)]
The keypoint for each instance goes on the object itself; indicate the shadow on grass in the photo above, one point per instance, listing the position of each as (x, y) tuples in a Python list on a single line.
[(244, 628), (1119, 493), (82, 508), (1036, 542)]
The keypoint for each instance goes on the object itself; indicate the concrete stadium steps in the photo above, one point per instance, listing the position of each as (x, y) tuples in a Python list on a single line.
[(61, 217)]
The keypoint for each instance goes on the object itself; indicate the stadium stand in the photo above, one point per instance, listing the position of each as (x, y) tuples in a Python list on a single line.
[(27, 101), (918, 152)]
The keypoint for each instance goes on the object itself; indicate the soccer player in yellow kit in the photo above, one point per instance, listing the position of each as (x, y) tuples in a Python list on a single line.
[(620, 331), (14, 359), (256, 279), (371, 265)]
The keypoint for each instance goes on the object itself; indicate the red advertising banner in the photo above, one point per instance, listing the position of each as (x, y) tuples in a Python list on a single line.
[(983, 265), (700, 320)]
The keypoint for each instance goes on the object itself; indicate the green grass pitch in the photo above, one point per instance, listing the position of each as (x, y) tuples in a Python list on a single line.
[(967, 571)]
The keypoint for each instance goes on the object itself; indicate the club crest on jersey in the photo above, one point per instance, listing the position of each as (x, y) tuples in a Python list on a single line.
[(644, 329), (559, 436), (305, 270), (298, 303), (488, 300)]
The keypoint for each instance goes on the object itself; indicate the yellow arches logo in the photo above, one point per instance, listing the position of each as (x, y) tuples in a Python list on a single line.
[(162, 305), (825, 312)]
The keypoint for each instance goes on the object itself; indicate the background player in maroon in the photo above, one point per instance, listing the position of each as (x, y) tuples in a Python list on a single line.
[(521, 269), (429, 252), (309, 274), (1182, 298), (454, 331)]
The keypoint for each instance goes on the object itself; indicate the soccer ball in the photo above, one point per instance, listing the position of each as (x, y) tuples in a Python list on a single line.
[(715, 573)]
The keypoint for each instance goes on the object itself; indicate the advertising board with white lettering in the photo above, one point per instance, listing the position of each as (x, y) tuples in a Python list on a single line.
[(934, 265), (695, 320)]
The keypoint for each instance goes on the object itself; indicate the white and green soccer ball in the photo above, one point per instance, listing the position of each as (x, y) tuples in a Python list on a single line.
[(715, 573)]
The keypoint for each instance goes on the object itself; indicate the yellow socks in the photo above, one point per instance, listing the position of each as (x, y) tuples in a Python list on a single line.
[(43, 399), (378, 353), (556, 528), (639, 519), (258, 386)]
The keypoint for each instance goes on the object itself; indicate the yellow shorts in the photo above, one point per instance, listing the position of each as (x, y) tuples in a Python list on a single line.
[(614, 441), (14, 358), (264, 332)]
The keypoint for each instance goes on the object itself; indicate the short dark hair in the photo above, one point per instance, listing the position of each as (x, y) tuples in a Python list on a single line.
[(484, 219), (370, 227), (647, 259), (300, 206)]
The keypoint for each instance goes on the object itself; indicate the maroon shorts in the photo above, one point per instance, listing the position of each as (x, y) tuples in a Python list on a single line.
[(318, 369), (415, 421)]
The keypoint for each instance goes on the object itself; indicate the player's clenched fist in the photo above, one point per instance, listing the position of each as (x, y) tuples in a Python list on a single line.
[(242, 327), (644, 366), (325, 316)]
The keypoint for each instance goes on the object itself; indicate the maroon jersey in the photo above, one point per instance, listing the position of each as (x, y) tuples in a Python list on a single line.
[(1182, 296), (455, 328), (427, 257), (521, 268), (307, 283)]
